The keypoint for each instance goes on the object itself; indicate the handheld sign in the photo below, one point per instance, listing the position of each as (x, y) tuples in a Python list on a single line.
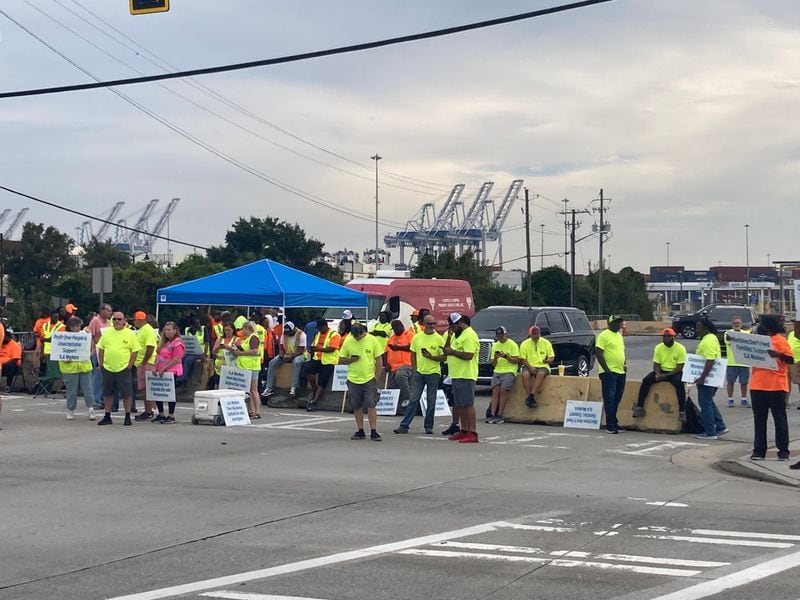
[(191, 344), (234, 410), (71, 345), (753, 350), (583, 415), (160, 389), (339, 382), (442, 408), (694, 368), (231, 378), (387, 403)]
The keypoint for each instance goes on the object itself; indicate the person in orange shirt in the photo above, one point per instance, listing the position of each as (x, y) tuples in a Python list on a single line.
[(768, 391), (398, 361), (324, 356), (38, 326), (3, 332), (10, 358)]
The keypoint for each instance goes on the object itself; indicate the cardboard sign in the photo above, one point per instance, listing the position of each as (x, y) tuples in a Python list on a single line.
[(231, 378), (694, 368), (160, 389), (71, 345), (753, 350), (339, 382), (583, 415), (192, 345), (234, 410), (442, 408), (387, 403)]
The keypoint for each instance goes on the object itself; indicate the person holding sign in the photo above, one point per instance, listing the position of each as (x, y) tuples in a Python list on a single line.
[(505, 360), (169, 359), (769, 390), (116, 353), (426, 364), (248, 357), (362, 355), (324, 355), (668, 359), (609, 349), (77, 374), (735, 370), (708, 348), (145, 361), (536, 354), (221, 354)]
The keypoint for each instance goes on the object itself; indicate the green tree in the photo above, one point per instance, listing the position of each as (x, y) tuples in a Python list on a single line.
[(192, 267), (104, 254), (43, 257), (551, 286)]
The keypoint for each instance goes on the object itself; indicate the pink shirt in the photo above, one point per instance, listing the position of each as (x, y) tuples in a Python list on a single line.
[(95, 327), (171, 351)]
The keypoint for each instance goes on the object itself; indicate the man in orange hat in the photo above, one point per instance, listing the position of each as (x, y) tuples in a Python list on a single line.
[(70, 310), (668, 359)]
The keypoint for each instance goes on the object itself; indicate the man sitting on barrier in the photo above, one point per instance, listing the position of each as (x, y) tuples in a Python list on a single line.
[(292, 350), (668, 359), (536, 354)]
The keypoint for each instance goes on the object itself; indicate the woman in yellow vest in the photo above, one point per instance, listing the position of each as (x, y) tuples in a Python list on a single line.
[(223, 344), (247, 357), (77, 374)]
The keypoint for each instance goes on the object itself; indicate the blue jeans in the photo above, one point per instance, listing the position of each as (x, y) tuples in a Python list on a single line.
[(613, 385), (75, 380), (187, 363), (297, 365), (419, 381), (712, 420)]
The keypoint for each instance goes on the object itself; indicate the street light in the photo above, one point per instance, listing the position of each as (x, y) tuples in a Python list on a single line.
[(747, 263), (541, 267), (667, 253), (376, 158)]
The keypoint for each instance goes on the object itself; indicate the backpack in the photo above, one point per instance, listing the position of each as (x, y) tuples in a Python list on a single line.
[(694, 420)]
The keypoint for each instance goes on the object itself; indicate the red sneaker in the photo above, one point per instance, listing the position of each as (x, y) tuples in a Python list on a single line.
[(470, 438), (457, 436)]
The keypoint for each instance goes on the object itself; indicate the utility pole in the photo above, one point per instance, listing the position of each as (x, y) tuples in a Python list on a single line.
[(566, 230), (528, 243), (602, 233), (747, 265), (572, 241), (541, 264), (376, 158)]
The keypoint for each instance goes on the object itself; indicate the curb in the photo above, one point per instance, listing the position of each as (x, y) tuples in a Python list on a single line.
[(743, 467)]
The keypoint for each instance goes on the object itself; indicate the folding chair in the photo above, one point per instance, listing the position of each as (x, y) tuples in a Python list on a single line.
[(52, 374)]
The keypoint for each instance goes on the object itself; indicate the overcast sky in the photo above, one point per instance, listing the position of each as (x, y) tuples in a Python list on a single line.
[(684, 112)]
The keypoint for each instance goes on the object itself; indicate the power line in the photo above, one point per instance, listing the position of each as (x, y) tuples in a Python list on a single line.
[(306, 55)]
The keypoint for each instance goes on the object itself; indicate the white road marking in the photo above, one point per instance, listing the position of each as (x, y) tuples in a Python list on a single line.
[(746, 534), (648, 449), (303, 565), (668, 504), (737, 579), (553, 562), (549, 528), (225, 594), (720, 541)]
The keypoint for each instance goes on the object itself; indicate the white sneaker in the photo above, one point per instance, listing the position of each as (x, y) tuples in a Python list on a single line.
[(70, 415), (292, 392), (91, 414)]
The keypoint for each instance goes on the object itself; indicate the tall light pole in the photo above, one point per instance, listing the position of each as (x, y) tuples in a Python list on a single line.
[(528, 243), (541, 264), (376, 157), (747, 263), (667, 253)]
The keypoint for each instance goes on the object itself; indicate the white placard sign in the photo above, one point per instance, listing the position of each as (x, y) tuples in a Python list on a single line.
[(231, 378), (694, 368), (160, 389), (753, 350), (583, 415), (71, 345), (797, 299), (387, 403), (192, 345), (234, 410), (339, 382), (442, 408)]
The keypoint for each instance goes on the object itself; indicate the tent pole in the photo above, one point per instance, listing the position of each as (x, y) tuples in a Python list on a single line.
[(157, 307)]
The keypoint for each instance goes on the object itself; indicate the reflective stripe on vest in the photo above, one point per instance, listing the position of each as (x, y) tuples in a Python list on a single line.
[(326, 358), (47, 333)]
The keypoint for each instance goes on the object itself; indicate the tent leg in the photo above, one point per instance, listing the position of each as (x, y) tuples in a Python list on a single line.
[(157, 307)]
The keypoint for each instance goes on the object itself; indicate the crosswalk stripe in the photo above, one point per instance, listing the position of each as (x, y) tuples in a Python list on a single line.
[(746, 534), (720, 541)]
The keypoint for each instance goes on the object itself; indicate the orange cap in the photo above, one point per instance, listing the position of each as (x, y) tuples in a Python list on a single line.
[(669, 331), (71, 308), (140, 314)]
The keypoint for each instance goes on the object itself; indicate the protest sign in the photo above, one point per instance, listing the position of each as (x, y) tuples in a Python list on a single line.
[(339, 381), (160, 388), (231, 378), (583, 415), (387, 403), (234, 410), (192, 345), (694, 366), (751, 349), (71, 345), (442, 408)]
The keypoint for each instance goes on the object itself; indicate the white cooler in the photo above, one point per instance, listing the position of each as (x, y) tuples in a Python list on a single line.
[(206, 405)]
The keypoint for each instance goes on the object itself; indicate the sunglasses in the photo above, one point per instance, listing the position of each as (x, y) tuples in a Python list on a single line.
[(117, 319)]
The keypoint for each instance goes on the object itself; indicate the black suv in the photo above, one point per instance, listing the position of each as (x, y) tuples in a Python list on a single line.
[(720, 314), (567, 328)]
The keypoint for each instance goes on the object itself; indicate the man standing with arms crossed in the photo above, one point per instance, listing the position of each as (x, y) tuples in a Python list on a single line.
[(462, 365), (145, 361), (362, 353), (736, 370), (609, 348), (116, 353)]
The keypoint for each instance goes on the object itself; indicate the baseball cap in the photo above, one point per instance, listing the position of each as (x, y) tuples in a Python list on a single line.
[(534, 329), (501, 331), (613, 317), (347, 314), (289, 326), (71, 308), (455, 317), (140, 314), (669, 331)]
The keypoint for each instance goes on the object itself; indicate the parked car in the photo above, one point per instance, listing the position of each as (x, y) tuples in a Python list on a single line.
[(567, 328), (720, 314)]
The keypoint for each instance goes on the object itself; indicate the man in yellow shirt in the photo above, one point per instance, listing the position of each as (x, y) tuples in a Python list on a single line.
[(362, 355), (116, 352), (505, 359), (145, 361), (668, 359), (536, 354), (794, 369), (736, 370), (609, 348), (462, 365)]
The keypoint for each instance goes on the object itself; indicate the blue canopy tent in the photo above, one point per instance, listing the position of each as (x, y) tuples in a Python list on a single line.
[(261, 283)]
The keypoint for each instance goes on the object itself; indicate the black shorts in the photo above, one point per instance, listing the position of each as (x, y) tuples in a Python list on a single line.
[(121, 382), (325, 372)]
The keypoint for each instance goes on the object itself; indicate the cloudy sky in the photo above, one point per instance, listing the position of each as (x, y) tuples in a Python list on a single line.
[(684, 112)]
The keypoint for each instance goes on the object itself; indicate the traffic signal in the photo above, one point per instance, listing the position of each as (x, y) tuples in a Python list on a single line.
[(143, 7)]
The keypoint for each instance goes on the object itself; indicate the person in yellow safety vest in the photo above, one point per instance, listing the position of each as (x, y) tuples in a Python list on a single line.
[(261, 334), (201, 334), (247, 358), (221, 352), (48, 329), (324, 356), (416, 320), (383, 328)]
